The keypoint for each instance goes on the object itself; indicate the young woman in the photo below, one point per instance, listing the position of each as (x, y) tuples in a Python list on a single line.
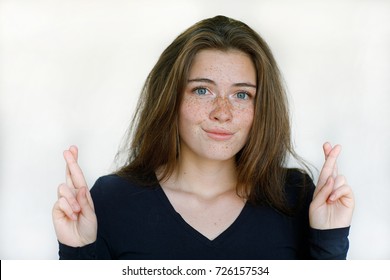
[(206, 174)]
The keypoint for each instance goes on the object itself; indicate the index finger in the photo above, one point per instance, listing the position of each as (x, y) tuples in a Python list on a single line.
[(75, 172), (329, 166)]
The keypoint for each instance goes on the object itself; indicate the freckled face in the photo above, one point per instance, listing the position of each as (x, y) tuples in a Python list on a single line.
[(217, 109)]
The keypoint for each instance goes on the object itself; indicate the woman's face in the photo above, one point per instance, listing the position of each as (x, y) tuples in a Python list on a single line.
[(217, 108)]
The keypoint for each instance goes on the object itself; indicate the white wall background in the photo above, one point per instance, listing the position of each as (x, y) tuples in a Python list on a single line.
[(71, 71)]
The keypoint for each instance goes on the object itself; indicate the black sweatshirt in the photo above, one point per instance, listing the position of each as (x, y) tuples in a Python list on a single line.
[(137, 222)]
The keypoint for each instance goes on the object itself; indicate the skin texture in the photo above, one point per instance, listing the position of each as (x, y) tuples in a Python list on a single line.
[(217, 109)]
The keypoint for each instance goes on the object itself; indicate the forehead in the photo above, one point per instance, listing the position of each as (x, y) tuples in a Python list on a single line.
[(231, 64)]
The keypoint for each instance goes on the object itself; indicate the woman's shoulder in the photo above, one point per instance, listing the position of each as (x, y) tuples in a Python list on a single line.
[(298, 178), (114, 184), (114, 195), (299, 187)]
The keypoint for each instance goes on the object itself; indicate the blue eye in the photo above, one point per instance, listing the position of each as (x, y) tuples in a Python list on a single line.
[(242, 95), (200, 91)]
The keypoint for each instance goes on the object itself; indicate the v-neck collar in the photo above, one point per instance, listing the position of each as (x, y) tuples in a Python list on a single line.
[(192, 231)]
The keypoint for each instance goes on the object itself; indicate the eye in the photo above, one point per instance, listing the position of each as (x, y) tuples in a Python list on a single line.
[(200, 91), (242, 95)]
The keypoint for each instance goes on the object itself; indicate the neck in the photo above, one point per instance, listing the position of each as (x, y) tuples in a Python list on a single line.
[(205, 178)]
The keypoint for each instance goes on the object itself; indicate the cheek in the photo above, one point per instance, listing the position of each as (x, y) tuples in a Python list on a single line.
[(245, 118), (193, 111)]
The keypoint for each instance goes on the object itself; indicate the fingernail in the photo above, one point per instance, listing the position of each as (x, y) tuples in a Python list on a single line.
[(74, 217), (332, 197)]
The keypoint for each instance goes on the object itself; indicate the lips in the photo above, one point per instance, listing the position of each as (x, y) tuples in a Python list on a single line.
[(219, 134)]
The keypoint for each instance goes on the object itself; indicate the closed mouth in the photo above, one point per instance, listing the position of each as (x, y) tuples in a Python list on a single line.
[(219, 134)]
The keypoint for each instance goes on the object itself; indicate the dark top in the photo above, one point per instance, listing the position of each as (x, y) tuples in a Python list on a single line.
[(137, 222)]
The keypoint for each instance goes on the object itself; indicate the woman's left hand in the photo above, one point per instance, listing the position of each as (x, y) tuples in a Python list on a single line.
[(333, 201)]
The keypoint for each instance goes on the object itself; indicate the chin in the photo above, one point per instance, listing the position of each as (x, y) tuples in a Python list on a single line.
[(219, 156)]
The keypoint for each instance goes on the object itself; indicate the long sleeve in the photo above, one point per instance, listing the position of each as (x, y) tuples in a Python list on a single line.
[(94, 251), (331, 244), (87, 252)]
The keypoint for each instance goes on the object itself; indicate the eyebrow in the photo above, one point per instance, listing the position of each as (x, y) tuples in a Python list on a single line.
[(205, 80)]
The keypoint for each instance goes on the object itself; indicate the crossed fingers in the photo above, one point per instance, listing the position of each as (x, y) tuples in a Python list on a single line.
[(74, 175), (329, 169)]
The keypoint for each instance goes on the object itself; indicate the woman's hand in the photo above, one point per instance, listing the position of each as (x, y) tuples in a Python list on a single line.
[(74, 216), (333, 201)]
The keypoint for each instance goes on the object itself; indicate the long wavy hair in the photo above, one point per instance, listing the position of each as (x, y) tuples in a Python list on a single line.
[(153, 137)]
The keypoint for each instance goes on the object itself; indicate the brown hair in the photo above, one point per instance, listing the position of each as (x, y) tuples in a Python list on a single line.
[(154, 135)]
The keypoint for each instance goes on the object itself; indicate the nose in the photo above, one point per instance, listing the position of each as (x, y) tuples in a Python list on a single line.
[(222, 112)]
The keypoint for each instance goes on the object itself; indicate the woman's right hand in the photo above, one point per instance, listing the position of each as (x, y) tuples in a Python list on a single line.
[(74, 215)]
